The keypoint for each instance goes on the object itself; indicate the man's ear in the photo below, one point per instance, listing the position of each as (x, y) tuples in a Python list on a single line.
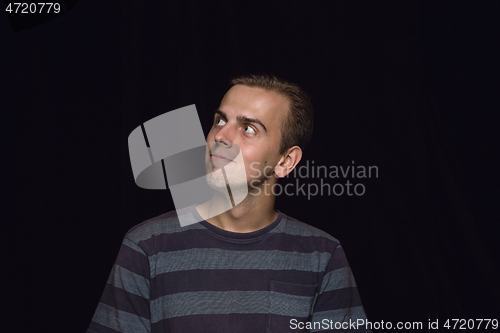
[(288, 162)]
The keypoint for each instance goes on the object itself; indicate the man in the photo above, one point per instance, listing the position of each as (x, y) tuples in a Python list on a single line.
[(251, 268)]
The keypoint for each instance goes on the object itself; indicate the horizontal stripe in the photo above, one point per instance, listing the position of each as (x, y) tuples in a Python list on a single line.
[(338, 279), (227, 279), (120, 321), (133, 246), (228, 302), (124, 301), (209, 302), (163, 224), (293, 288), (220, 323), (283, 242), (233, 323), (290, 305), (338, 260), (339, 315), (134, 261), (222, 259), (171, 225), (291, 226), (129, 281), (338, 299)]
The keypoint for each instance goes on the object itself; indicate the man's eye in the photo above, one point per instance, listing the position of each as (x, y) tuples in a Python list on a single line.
[(249, 129), (218, 122)]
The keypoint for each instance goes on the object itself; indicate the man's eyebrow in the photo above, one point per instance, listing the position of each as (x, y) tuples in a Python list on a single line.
[(243, 119)]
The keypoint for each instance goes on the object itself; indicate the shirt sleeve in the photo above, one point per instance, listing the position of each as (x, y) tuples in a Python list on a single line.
[(338, 306), (124, 304)]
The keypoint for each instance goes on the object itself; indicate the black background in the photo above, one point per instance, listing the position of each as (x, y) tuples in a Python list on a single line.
[(410, 87)]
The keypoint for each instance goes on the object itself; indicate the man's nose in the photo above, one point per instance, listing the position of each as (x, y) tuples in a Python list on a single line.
[(225, 136)]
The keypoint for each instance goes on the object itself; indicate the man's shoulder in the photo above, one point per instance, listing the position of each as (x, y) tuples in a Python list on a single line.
[(293, 226), (167, 223)]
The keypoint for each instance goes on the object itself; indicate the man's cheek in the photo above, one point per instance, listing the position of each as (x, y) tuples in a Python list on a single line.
[(254, 170), (268, 170)]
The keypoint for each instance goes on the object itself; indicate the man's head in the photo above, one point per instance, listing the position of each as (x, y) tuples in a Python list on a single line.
[(297, 126), (269, 120)]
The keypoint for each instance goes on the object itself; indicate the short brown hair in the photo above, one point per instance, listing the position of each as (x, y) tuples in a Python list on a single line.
[(297, 127)]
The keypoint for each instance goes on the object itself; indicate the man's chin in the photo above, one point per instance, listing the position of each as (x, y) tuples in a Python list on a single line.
[(217, 185), (220, 185)]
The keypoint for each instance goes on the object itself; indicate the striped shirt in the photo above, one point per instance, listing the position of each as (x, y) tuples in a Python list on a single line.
[(286, 277)]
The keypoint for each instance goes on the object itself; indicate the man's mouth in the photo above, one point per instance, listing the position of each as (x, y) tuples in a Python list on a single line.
[(216, 157), (219, 161)]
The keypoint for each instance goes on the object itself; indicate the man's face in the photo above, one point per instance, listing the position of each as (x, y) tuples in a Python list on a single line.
[(248, 118)]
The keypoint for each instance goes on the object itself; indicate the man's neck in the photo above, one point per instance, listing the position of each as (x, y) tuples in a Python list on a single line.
[(252, 214)]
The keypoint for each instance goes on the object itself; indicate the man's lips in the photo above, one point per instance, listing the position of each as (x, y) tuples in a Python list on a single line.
[(215, 157), (220, 160)]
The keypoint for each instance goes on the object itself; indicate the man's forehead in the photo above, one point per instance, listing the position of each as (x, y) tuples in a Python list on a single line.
[(253, 102)]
